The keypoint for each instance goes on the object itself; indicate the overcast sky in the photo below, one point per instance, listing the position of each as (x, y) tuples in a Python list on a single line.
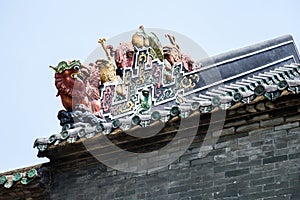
[(36, 34)]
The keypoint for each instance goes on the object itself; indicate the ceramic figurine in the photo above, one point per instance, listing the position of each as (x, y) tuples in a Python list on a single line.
[(174, 55), (140, 38), (76, 85), (124, 54), (108, 69), (145, 101), (143, 40)]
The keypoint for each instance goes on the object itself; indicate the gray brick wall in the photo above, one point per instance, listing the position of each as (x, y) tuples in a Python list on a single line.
[(256, 159)]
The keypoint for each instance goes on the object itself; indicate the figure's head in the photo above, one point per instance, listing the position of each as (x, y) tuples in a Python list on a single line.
[(145, 92), (71, 70)]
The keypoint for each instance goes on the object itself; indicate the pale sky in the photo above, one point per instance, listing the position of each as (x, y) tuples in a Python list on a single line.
[(36, 34)]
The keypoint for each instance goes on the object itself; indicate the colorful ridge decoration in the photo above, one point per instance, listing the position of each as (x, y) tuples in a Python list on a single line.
[(142, 82)]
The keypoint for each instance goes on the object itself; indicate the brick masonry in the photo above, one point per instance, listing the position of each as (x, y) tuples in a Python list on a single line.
[(256, 159)]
